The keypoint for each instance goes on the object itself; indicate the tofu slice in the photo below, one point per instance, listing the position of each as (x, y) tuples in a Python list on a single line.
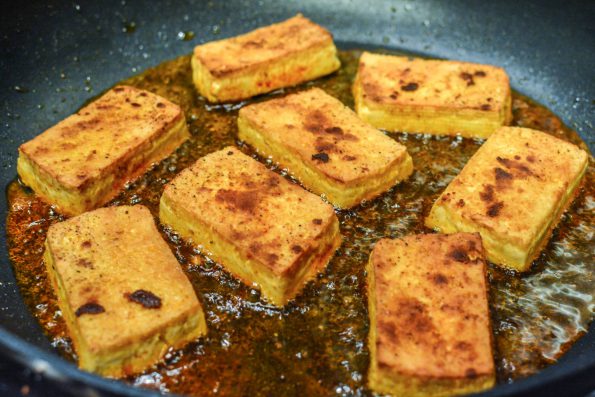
[(122, 292), (326, 146), (264, 229), (397, 93), (272, 57), (430, 331), (513, 191), (85, 160)]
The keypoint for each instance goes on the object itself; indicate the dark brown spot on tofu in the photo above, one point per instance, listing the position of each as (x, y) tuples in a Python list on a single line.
[(325, 146), (89, 308), (86, 263), (485, 106), (349, 158), (522, 169), (315, 122), (502, 175), (530, 159), (387, 328), (321, 157), (470, 373), (242, 200), (296, 248), (143, 94), (334, 130), (459, 254), (136, 105), (254, 43), (317, 221), (461, 203), (272, 259), (410, 86), (413, 316), (439, 279), (86, 244), (487, 194), (479, 73), (494, 209), (230, 153), (118, 89), (145, 298), (160, 105), (468, 77)]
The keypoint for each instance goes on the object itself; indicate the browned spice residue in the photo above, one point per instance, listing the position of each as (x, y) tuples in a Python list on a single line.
[(317, 344)]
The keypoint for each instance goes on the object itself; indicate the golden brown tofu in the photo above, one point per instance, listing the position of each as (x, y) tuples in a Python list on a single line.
[(397, 93), (326, 146), (513, 191), (264, 229), (430, 332), (123, 295), (276, 56), (85, 160)]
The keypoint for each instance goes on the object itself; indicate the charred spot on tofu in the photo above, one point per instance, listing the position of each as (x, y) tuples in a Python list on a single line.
[(144, 298), (89, 308)]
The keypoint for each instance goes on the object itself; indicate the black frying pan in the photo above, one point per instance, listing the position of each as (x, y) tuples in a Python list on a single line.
[(56, 56)]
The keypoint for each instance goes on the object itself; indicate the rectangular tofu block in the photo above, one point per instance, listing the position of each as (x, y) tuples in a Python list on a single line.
[(430, 331), (513, 191), (276, 56), (267, 231), (396, 93), (122, 293), (85, 160), (326, 146)]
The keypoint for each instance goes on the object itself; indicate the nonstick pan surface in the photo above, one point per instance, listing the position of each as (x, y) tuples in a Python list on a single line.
[(55, 56)]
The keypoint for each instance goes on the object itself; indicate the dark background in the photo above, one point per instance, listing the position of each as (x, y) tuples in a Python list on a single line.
[(55, 56)]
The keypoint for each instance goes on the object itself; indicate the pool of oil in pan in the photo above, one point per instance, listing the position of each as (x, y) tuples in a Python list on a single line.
[(317, 344)]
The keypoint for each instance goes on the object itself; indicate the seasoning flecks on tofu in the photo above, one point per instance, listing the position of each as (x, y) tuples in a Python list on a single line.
[(430, 331), (265, 230), (280, 55), (397, 93), (513, 191), (326, 146), (122, 293), (85, 160)]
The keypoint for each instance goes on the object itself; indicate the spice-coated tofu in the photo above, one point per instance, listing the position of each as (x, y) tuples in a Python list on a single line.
[(85, 160), (430, 332), (122, 292), (261, 227), (326, 146), (276, 56), (397, 93), (513, 191)]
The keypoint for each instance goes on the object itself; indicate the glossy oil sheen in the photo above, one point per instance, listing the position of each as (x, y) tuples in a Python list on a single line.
[(316, 345)]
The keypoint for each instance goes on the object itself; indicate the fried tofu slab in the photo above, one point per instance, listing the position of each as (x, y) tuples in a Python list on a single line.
[(513, 191), (326, 146), (267, 231), (123, 295), (272, 57), (396, 93), (85, 160), (430, 331)]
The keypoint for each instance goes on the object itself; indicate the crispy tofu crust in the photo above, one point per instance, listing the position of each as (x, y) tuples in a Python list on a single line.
[(272, 57), (326, 146), (513, 191), (85, 160), (122, 293), (397, 93), (264, 229), (430, 331)]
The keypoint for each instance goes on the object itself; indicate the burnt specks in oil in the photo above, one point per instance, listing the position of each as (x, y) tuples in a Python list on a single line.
[(89, 308), (145, 298)]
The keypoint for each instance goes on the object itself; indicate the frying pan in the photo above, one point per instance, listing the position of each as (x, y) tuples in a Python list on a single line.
[(55, 56)]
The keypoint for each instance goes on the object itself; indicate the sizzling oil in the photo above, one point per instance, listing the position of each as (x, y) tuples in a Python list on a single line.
[(316, 345)]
